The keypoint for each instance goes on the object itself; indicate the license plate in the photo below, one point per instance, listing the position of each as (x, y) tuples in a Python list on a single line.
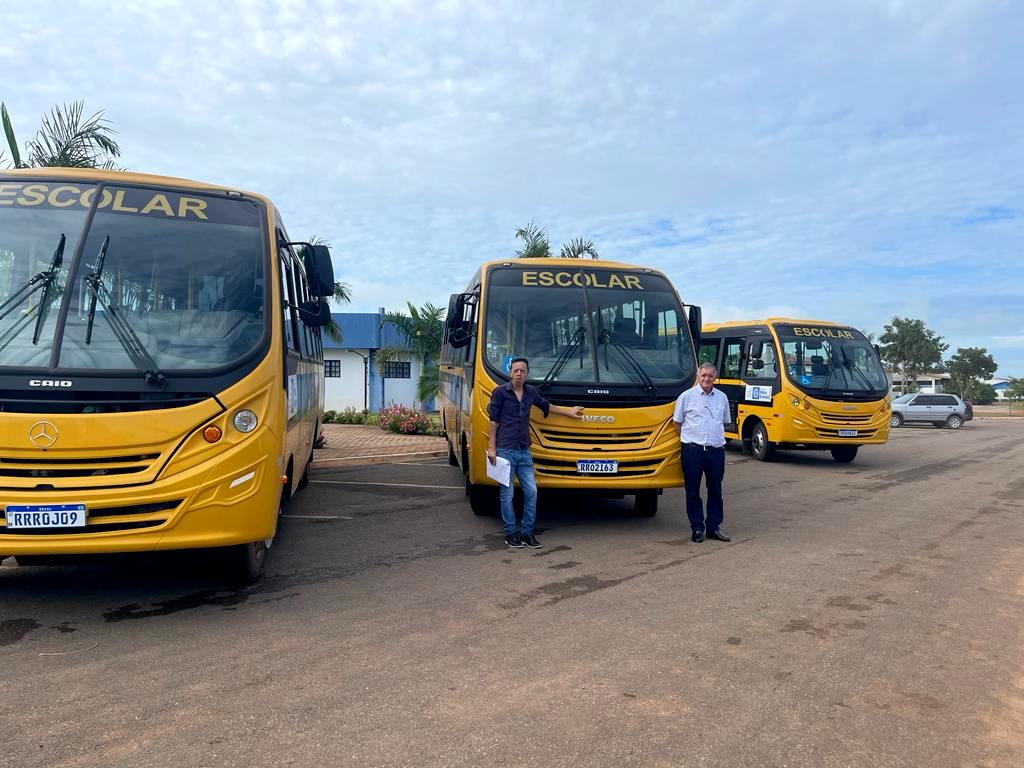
[(597, 466), (847, 432), (45, 515)]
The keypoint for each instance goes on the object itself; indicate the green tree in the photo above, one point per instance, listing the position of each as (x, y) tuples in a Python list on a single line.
[(984, 394), (968, 367), (1015, 390), (66, 138), (421, 329), (911, 349), (537, 246)]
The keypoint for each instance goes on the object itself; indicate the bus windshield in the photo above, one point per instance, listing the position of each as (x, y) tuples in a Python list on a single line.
[(586, 326), (182, 271), (828, 359)]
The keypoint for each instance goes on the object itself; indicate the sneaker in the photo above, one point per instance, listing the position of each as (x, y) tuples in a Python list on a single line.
[(531, 541), (513, 540)]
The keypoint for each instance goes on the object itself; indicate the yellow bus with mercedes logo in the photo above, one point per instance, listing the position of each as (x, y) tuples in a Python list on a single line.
[(160, 366), (612, 337), (799, 384)]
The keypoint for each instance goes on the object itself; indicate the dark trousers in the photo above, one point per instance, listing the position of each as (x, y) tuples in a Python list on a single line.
[(711, 464)]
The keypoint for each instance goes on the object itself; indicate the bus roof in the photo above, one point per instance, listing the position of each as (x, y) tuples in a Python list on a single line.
[(771, 321), (97, 175), (513, 261)]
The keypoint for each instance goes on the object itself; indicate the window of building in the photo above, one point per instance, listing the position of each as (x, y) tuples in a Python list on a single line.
[(332, 369), (397, 370)]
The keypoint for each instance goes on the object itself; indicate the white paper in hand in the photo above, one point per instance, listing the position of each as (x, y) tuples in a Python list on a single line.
[(500, 470)]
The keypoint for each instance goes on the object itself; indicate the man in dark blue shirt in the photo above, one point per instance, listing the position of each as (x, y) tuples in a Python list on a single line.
[(509, 438)]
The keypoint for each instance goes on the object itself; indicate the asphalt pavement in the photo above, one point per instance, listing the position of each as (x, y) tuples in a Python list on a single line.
[(863, 615)]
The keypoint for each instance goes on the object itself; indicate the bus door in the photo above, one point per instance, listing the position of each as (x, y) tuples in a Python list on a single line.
[(760, 373), (729, 380)]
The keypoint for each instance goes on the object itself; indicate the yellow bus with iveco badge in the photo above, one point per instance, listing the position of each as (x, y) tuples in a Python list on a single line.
[(799, 385), (614, 338), (160, 366)]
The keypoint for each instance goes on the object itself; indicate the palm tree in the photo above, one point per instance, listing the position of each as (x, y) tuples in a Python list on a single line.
[(66, 138), (536, 245), (342, 295), (422, 331)]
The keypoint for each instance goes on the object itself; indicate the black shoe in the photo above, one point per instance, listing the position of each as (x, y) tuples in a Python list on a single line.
[(531, 541), (513, 540), (697, 537), (719, 534)]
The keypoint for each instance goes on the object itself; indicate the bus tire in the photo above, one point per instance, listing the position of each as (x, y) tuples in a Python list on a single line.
[(844, 454), (761, 448), (246, 562), (645, 504), (304, 480), (482, 499), (453, 460)]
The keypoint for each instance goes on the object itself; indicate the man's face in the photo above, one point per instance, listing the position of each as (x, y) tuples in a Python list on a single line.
[(706, 379), (518, 372)]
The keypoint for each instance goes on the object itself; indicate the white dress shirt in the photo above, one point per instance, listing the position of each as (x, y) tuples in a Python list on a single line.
[(702, 416)]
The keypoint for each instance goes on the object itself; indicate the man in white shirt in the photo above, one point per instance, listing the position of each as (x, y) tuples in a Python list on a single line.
[(701, 415)]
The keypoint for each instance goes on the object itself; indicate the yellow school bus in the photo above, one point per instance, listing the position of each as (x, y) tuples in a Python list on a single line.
[(160, 366), (799, 385), (612, 337)]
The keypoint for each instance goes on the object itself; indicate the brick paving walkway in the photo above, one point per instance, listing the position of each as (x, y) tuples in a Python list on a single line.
[(351, 444)]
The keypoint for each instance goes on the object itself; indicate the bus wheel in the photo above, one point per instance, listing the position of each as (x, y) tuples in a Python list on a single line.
[(482, 500), (760, 447), (645, 504), (453, 461), (844, 454), (246, 562), (304, 480)]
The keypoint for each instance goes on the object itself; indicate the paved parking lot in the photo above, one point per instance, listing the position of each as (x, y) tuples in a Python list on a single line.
[(863, 615)]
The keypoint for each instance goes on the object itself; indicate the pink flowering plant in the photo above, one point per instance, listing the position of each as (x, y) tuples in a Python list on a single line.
[(405, 421)]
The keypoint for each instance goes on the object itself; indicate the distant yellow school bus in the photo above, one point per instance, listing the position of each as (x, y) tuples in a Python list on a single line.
[(799, 385), (612, 337), (160, 365)]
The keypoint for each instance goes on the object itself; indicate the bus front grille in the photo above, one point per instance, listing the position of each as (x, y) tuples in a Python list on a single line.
[(76, 467), (561, 438), (102, 520), (846, 418), (562, 468)]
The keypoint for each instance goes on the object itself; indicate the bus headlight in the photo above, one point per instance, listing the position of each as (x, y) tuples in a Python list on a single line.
[(795, 401), (245, 420)]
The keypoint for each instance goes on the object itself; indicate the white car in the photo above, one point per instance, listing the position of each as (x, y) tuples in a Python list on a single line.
[(937, 410)]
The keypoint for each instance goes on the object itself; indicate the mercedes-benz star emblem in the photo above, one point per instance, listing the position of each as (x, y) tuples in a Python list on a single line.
[(43, 434)]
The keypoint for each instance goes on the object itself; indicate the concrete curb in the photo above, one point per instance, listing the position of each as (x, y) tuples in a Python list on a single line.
[(383, 458)]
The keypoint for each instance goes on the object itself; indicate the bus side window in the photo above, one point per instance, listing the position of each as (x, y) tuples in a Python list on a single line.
[(731, 359), (709, 351), (289, 296)]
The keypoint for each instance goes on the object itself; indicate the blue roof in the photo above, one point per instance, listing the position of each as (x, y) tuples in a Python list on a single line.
[(363, 330)]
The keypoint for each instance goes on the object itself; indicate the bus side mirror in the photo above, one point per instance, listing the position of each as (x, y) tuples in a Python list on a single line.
[(693, 319), (315, 314), (458, 327), (756, 350), (319, 270), (878, 350), (459, 338), (757, 365)]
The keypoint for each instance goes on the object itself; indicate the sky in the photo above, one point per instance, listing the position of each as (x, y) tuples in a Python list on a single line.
[(844, 161)]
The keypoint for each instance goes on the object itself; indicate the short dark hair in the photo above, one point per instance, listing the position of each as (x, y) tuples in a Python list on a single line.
[(518, 360)]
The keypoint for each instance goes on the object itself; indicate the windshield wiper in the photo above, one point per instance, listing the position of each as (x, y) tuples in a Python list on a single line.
[(41, 281), (605, 338), (129, 340), (848, 364), (559, 364)]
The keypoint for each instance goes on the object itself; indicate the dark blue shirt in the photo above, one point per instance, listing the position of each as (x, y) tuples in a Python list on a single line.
[(513, 416)]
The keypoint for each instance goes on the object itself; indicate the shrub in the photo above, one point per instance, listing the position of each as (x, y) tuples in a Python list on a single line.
[(406, 421), (330, 417)]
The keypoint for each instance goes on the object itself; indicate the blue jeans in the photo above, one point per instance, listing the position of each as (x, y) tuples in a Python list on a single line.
[(522, 467), (710, 464)]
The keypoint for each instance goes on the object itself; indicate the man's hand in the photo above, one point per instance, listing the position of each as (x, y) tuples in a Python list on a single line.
[(575, 411), (492, 455)]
